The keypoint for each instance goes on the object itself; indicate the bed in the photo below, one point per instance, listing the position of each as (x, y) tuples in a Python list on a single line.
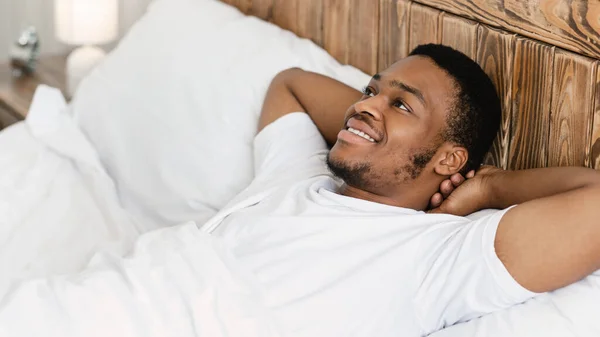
[(92, 177)]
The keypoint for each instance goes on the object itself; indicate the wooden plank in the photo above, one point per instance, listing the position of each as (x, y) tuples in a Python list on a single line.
[(571, 24), (364, 35), (285, 14), (310, 20), (393, 31), (336, 24), (595, 143), (571, 116), (531, 98), (495, 53), (460, 34), (262, 9), (424, 26), (245, 6)]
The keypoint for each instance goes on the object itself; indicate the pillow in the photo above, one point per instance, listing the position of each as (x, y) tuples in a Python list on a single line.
[(173, 110), (569, 311)]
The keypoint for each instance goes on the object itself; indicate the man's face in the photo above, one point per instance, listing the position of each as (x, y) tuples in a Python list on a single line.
[(401, 116)]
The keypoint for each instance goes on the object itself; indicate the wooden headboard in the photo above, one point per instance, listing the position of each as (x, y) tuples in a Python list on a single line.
[(542, 55)]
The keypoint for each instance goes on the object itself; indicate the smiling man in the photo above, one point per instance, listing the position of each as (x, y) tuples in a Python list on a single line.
[(339, 238)]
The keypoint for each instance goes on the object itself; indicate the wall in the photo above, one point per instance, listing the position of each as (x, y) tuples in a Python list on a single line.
[(15, 15)]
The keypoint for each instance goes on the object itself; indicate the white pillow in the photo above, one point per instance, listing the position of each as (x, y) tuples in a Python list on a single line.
[(173, 109), (569, 311)]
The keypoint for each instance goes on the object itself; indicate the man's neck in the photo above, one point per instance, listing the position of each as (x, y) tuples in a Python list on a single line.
[(410, 197)]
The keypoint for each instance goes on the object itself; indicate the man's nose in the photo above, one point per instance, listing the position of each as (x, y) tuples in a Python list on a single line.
[(372, 106)]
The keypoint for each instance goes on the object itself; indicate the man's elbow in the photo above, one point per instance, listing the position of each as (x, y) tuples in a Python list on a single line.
[(286, 76)]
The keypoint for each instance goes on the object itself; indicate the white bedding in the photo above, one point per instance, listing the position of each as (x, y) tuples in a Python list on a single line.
[(57, 205), (179, 282)]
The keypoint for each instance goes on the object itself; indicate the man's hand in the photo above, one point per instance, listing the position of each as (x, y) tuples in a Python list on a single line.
[(460, 196)]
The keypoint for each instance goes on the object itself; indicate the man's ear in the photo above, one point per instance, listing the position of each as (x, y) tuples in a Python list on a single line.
[(450, 159)]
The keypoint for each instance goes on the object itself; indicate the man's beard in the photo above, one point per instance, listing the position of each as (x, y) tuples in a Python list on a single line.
[(353, 175), (361, 175)]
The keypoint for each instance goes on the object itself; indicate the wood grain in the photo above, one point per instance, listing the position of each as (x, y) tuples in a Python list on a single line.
[(310, 20), (495, 53), (364, 35), (460, 34), (531, 99), (336, 24), (285, 14), (262, 9), (245, 6), (571, 24), (551, 108), (571, 116), (595, 143), (393, 31), (424, 26)]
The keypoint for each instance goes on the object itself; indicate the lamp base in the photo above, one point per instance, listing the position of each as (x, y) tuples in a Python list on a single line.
[(79, 63)]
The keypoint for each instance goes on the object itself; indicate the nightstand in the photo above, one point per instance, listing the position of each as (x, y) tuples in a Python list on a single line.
[(16, 93)]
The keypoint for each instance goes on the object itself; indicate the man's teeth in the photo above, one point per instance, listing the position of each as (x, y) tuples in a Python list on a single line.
[(362, 134)]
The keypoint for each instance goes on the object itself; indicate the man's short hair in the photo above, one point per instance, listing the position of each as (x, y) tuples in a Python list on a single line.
[(476, 114)]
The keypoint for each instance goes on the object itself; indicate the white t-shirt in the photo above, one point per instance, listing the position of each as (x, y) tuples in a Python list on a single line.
[(332, 265)]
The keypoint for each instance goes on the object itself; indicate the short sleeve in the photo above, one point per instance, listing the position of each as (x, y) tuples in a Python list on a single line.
[(461, 275), (289, 148)]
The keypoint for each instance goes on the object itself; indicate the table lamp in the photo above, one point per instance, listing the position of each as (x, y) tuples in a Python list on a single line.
[(84, 23)]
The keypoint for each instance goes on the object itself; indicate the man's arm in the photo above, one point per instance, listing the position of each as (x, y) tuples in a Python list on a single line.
[(324, 99), (552, 238)]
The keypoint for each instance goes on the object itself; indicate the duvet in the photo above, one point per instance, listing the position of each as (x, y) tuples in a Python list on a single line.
[(57, 204), (59, 214)]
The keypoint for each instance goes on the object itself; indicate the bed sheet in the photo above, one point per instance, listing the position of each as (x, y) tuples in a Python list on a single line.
[(57, 204)]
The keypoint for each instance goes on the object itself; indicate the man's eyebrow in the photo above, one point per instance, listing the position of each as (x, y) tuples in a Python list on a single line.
[(409, 89)]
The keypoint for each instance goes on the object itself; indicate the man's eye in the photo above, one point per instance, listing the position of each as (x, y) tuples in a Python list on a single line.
[(400, 105), (368, 92)]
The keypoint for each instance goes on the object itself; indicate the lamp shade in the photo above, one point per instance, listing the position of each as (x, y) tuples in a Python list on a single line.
[(86, 22)]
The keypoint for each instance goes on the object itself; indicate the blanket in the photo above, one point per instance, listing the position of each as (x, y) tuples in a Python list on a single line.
[(178, 281), (59, 209), (57, 203)]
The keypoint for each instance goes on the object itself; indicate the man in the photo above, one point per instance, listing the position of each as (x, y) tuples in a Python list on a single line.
[(358, 255)]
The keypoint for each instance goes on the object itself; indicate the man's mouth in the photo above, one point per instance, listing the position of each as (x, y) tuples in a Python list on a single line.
[(361, 134), (361, 128)]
